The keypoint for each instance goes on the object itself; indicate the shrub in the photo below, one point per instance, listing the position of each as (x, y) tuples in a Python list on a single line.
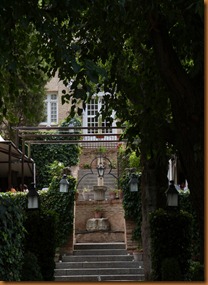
[(63, 205), (186, 205), (12, 235), (31, 269), (170, 238), (132, 205), (171, 270), (196, 272), (40, 240)]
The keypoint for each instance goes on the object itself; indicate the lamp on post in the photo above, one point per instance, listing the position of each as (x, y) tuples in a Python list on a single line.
[(133, 183), (100, 170), (32, 198), (172, 195), (64, 184)]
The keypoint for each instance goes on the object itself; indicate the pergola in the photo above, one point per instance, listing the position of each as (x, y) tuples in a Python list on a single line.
[(84, 136)]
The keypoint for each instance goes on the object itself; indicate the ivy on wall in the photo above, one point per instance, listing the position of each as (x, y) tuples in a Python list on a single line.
[(132, 205), (46, 154), (12, 234), (33, 236)]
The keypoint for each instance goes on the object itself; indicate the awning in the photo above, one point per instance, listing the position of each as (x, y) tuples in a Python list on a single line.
[(13, 160)]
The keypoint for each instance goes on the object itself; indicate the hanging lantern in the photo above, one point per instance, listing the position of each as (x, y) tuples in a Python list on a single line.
[(133, 183), (172, 195), (100, 170), (64, 184), (32, 198)]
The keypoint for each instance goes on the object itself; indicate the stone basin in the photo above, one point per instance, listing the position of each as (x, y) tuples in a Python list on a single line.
[(98, 224)]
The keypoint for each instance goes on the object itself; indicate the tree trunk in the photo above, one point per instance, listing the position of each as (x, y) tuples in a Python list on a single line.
[(187, 101), (154, 177)]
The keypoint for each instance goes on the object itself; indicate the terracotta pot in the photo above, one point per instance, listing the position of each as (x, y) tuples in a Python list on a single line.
[(112, 195), (97, 214), (99, 136), (86, 196)]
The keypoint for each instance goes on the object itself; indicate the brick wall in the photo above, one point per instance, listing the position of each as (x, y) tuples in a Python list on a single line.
[(129, 228), (120, 231), (88, 155), (112, 210)]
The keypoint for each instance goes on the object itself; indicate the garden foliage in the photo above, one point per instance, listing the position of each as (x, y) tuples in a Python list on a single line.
[(12, 234), (171, 235), (28, 239), (132, 205)]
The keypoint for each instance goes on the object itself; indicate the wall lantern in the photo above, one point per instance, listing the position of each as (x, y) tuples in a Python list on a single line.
[(100, 170), (32, 198), (172, 195), (64, 184), (133, 183)]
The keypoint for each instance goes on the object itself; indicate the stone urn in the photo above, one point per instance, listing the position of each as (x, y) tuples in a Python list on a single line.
[(99, 192)]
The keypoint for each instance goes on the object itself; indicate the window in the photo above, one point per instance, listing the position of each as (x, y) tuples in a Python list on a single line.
[(51, 109), (90, 119)]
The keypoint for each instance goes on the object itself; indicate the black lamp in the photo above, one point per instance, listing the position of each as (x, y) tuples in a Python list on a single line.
[(64, 184), (172, 195), (133, 183), (100, 170), (32, 198)]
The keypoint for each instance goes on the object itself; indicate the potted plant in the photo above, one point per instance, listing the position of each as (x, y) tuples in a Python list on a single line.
[(98, 212), (86, 193), (113, 194), (138, 252), (99, 136)]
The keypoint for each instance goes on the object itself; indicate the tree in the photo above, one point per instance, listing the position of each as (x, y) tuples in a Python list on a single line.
[(148, 55), (22, 80)]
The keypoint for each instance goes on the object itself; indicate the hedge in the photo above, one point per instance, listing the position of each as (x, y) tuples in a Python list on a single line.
[(12, 234), (171, 234), (25, 234)]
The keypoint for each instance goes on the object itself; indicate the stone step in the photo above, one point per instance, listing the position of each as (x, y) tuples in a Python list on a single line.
[(100, 252), (95, 278), (98, 271), (84, 246), (100, 264), (96, 258)]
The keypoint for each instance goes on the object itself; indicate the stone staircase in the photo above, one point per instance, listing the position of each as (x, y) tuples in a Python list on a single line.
[(99, 262)]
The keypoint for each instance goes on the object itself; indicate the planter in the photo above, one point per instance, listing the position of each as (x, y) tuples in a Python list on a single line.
[(112, 195), (99, 192), (99, 136), (97, 214), (138, 255), (86, 196)]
